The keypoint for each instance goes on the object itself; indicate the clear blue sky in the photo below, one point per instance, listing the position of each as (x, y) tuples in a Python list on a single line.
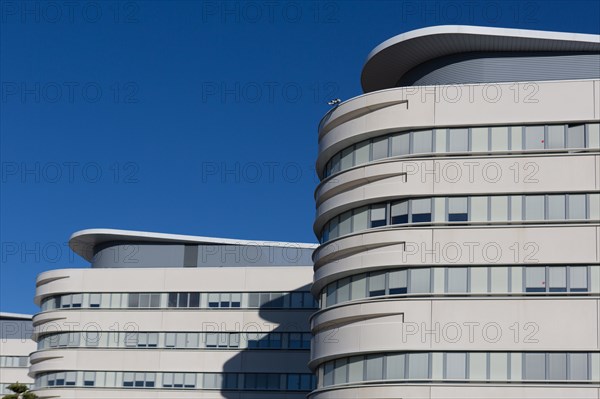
[(187, 117)]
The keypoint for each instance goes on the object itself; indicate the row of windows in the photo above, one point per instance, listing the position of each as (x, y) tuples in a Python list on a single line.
[(199, 300), (498, 208), (461, 366), (461, 140), (234, 381), (464, 280), (189, 340), (14, 361)]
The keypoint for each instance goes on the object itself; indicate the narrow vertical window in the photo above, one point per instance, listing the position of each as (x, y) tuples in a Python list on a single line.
[(378, 215), (422, 142), (421, 210), (534, 137), (457, 209), (400, 212)]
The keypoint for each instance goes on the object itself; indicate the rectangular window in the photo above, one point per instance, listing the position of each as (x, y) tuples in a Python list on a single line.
[(401, 144), (347, 160), (225, 300), (377, 284), (343, 291), (422, 142), (457, 279), (397, 282), (516, 207), (499, 139), (361, 154), (95, 300), (458, 140), (458, 209), (418, 366), (213, 300), (89, 378), (335, 163), (380, 148), (498, 209), (479, 209), (394, 367), (400, 212), (456, 366), (557, 366), (360, 218), (578, 366), (328, 374), (355, 369), (378, 215), (592, 135), (577, 206), (535, 279), (556, 207), (331, 298), (194, 300), (345, 225), (534, 207), (358, 288), (183, 300), (557, 276), (498, 366), (170, 340), (479, 139), (578, 281), (534, 137), (499, 279), (421, 210), (340, 375), (534, 366), (189, 380), (576, 136), (556, 137), (374, 367), (478, 366), (420, 281), (479, 277)]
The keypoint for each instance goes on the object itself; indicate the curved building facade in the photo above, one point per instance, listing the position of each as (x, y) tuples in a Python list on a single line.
[(15, 347), (459, 219), (165, 316)]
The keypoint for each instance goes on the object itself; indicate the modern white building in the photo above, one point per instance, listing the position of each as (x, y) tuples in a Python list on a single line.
[(459, 220), (172, 316), (15, 346)]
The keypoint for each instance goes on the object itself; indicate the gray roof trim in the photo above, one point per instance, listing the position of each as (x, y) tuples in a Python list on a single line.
[(81, 242), (396, 56)]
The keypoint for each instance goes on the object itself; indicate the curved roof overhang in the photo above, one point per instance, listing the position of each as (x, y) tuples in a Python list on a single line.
[(83, 242), (389, 61)]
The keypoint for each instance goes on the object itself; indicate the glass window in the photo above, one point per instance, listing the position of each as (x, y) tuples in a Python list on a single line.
[(380, 148), (401, 144), (478, 366), (440, 140), (556, 137), (578, 366), (458, 140), (457, 209), (535, 279), (331, 295), (355, 369), (374, 367), (577, 206), (457, 279), (421, 210), (499, 279), (359, 286), (89, 378), (516, 207), (343, 291), (420, 281), (397, 282), (189, 380), (456, 366), (534, 137), (213, 300), (593, 135), (377, 284), (400, 212), (345, 225), (557, 366), (183, 300), (328, 374), (378, 215), (347, 160), (95, 300), (394, 367), (557, 279), (479, 139), (361, 154), (77, 300), (498, 366), (340, 375), (479, 209), (516, 138), (422, 142), (556, 207), (335, 163), (576, 136), (172, 301), (360, 218), (479, 277), (418, 366), (498, 209), (594, 206), (578, 279), (534, 366), (499, 138), (534, 207)]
